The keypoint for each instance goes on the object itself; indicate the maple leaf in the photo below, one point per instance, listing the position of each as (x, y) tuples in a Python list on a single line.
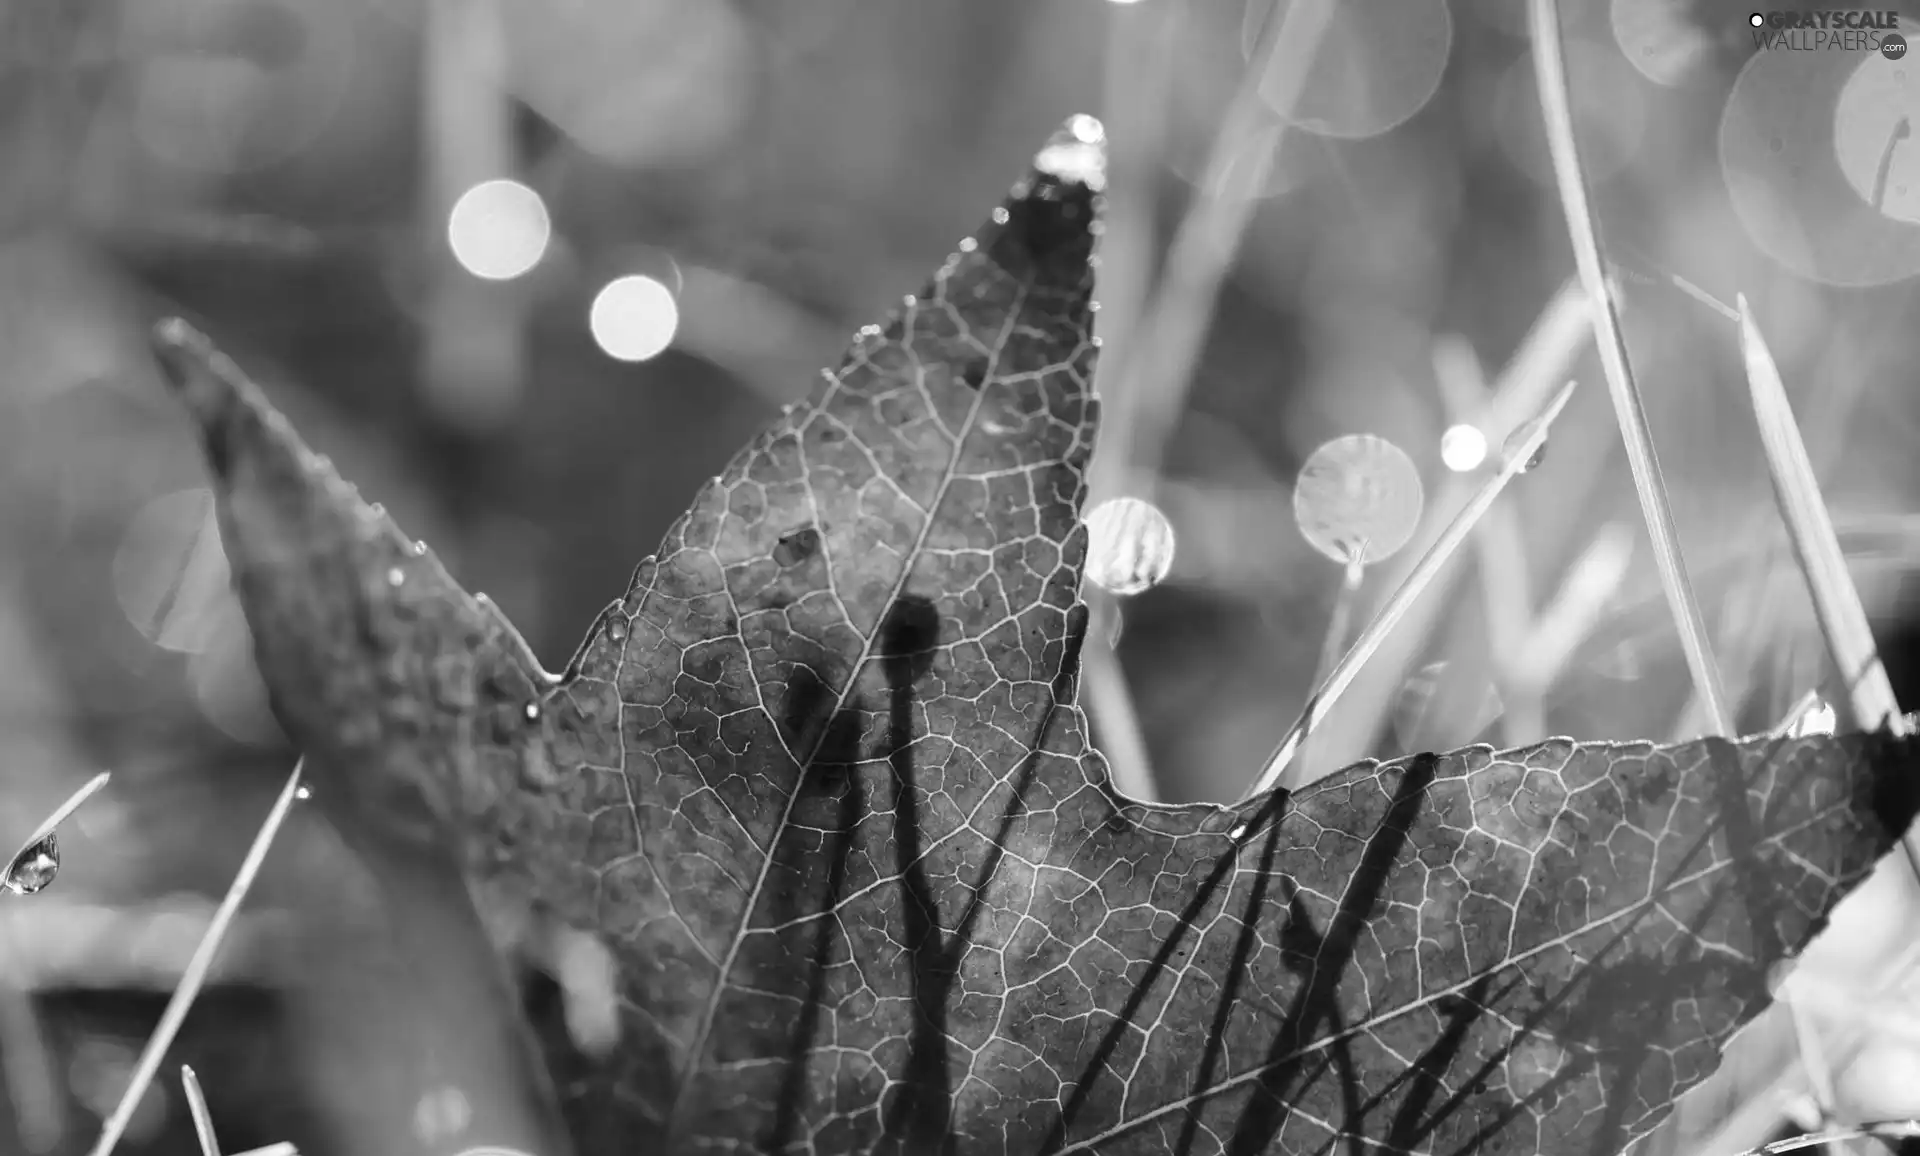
[(819, 783)]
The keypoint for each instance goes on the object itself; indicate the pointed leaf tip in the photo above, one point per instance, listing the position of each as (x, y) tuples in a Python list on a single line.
[(1049, 224), (1076, 153), (190, 363)]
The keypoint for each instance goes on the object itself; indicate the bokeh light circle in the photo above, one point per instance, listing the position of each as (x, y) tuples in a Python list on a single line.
[(1354, 490), (498, 229), (1130, 546), (1660, 39), (1462, 448), (633, 318), (1875, 125), (1799, 154), (1377, 64)]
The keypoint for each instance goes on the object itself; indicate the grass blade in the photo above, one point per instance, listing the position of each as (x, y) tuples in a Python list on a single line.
[(196, 973), (197, 1108), (1525, 442), (1551, 72), (1816, 546)]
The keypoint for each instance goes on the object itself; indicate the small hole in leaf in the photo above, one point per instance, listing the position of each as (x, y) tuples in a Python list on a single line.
[(797, 547)]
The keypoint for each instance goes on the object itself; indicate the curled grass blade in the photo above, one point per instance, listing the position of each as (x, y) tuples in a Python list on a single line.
[(196, 973), (1520, 449), (1551, 73)]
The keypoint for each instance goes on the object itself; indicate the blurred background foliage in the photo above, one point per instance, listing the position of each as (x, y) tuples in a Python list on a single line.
[(705, 199)]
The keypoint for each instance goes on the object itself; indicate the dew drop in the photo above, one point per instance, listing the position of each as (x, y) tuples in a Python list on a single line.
[(34, 867), (1239, 830), (303, 792), (377, 509), (968, 244), (617, 630), (1533, 460), (533, 712), (396, 576), (1000, 215), (482, 598), (1093, 307), (1130, 546), (909, 301), (419, 549)]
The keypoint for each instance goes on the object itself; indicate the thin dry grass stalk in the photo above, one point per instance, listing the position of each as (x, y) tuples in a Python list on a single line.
[(1518, 453), (1551, 73), (197, 969)]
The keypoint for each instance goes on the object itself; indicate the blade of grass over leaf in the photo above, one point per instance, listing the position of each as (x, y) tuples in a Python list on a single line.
[(1544, 360), (1816, 546), (1556, 105), (1519, 450), (196, 973)]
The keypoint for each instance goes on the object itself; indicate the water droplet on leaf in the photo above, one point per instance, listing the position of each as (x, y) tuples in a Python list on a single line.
[(909, 301), (303, 792), (34, 867), (1130, 546), (1535, 458), (1358, 493), (419, 549), (1000, 215), (617, 630), (533, 712), (396, 576), (968, 244)]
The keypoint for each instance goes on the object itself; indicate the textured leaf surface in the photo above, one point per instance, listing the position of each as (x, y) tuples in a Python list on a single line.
[(819, 782)]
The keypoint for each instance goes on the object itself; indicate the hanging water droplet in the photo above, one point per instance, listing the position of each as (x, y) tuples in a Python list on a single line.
[(909, 301), (34, 867), (482, 598), (1000, 214), (968, 244), (303, 792), (533, 712), (1239, 829), (419, 549), (617, 630), (1534, 459), (396, 576), (1093, 307)]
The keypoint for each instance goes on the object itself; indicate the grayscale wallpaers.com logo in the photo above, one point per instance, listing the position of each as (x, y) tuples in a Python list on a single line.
[(1846, 29)]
